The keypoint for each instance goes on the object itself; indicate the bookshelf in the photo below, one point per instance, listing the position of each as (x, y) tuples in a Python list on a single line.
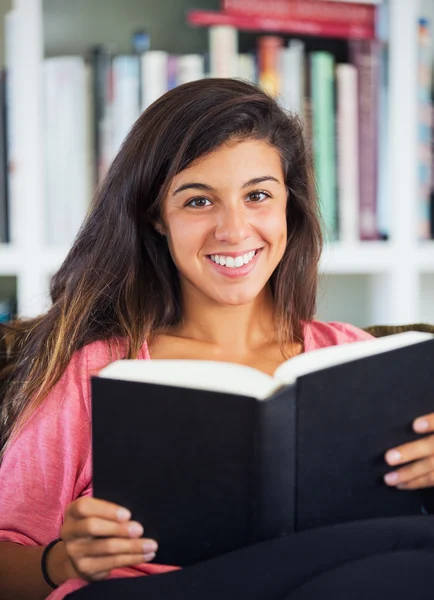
[(366, 282)]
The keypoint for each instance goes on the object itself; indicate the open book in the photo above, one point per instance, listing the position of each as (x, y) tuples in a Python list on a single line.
[(207, 466), (239, 379)]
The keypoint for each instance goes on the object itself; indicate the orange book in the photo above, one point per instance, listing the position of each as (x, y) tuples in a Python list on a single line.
[(269, 48)]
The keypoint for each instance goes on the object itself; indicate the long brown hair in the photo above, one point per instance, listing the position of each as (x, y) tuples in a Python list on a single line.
[(118, 279)]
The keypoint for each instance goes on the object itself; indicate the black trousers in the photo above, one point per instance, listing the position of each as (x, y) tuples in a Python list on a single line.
[(365, 560)]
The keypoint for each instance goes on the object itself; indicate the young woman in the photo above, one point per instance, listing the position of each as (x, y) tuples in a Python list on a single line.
[(203, 242)]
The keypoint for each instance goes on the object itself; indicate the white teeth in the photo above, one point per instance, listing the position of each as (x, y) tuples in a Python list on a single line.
[(231, 262)]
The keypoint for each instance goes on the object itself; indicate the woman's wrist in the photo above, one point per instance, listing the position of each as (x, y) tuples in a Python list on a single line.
[(59, 567)]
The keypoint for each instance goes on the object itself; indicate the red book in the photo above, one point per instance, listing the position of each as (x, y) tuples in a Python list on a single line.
[(294, 25), (309, 10)]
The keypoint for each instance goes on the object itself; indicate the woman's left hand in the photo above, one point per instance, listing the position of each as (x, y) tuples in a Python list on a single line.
[(420, 473)]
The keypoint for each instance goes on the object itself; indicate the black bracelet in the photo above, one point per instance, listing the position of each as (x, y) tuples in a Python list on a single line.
[(44, 563)]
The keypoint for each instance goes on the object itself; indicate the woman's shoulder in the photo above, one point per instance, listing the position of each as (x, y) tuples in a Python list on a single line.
[(319, 334), (71, 394)]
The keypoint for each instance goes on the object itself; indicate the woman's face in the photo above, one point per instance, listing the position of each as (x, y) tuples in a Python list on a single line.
[(225, 222)]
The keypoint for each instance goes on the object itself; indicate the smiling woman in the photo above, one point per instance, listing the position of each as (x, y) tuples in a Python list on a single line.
[(203, 242)]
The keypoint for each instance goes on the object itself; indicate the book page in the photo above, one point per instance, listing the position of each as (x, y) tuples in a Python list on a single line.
[(196, 374), (302, 364)]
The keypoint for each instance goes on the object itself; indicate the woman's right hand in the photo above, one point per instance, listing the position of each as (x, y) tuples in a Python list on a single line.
[(99, 537)]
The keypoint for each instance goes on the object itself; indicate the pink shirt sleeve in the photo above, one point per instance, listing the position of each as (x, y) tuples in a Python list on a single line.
[(49, 464), (319, 334)]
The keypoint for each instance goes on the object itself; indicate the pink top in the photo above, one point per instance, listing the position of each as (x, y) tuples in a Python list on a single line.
[(49, 464)]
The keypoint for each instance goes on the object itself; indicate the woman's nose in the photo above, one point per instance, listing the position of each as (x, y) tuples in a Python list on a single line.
[(232, 225)]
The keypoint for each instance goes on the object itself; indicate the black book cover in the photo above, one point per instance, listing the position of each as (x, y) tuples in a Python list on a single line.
[(201, 471)]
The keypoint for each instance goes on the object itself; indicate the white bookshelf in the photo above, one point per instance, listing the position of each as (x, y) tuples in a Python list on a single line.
[(393, 281)]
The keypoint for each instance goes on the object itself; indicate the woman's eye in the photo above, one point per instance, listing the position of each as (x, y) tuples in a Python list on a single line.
[(257, 196), (198, 202)]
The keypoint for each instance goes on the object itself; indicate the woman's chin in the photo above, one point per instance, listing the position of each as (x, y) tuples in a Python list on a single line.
[(238, 299)]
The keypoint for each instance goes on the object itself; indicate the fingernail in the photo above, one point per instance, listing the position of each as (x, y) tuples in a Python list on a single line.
[(150, 546), (421, 425), (391, 478), (123, 514), (135, 529), (149, 557), (393, 456)]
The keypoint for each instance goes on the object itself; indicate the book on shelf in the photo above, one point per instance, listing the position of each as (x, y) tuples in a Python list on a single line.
[(424, 98), (322, 11), (67, 146), (4, 188), (366, 56), (347, 152), (322, 66), (222, 455), (278, 24), (8, 309)]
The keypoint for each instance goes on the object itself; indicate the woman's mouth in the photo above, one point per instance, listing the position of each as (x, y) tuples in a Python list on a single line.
[(234, 266)]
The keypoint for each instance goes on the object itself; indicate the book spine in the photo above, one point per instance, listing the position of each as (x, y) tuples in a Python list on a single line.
[(424, 129), (7, 309), (269, 49), (223, 50), (324, 138), (432, 169), (172, 71), (344, 30), (274, 487), (292, 76), (4, 195), (311, 10), (126, 96), (366, 57), (384, 203), (101, 68), (247, 67), (154, 76), (13, 100), (66, 139), (191, 67), (347, 153)]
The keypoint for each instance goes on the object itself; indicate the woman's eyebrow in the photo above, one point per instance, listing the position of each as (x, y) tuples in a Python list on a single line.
[(208, 188), (197, 186), (257, 180)]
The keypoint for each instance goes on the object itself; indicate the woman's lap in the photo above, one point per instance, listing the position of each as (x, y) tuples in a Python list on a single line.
[(299, 567)]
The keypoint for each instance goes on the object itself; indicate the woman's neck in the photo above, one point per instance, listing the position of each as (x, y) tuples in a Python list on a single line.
[(229, 329)]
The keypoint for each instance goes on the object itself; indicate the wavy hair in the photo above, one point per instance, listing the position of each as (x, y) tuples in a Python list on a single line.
[(118, 279)]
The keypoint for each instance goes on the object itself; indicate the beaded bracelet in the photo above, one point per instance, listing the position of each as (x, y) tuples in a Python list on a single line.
[(44, 563)]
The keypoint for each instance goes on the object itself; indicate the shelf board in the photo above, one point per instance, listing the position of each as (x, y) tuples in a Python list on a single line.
[(360, 257), (294, 25), (14, 260), (425, 254), (337, 258)]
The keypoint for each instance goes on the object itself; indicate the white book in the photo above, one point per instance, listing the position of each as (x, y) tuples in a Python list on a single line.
[(223, 49), (191, 67), (247, 67), (292, 69), (243, 380), (68, 163), (154, 68), (348, 153), (126, 97), (12, 101)]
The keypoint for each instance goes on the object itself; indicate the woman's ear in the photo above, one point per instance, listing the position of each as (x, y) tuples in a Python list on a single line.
[(159, 227)]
